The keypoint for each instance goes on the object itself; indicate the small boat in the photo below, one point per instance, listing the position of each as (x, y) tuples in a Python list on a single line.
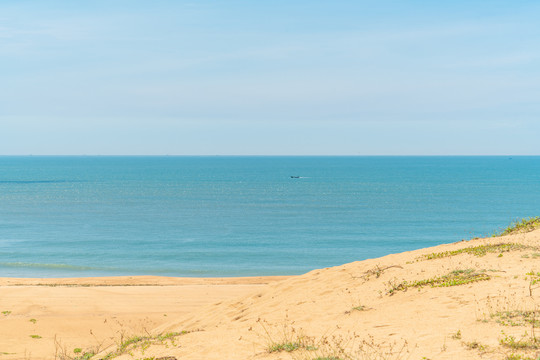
[(295, 177)]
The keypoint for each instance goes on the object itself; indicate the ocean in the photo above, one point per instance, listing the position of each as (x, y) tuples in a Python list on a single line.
[(211, 216)]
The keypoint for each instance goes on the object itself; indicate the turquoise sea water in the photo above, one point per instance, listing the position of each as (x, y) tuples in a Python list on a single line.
[(237, 216)]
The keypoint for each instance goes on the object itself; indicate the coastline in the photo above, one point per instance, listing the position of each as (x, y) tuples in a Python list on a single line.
[(373, 305), (139, 280)]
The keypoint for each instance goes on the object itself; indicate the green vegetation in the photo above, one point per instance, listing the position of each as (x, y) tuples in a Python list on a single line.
[(454, 278), (534, 277), (333, 347), (533, 255), (480, 250), (169, 335), (520, 357), (85, 356), (291, 342), (520, 226), (139, 342), (35, 336), (474, 345), (525, 343), (33, 321), (6, 312), (131, 341), (301, 343), (517, 317), (290, 346)]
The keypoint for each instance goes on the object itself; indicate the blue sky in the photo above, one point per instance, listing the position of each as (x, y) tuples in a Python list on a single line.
[(270, 77)]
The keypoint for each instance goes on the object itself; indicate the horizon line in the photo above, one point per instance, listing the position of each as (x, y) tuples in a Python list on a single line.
[(265, 155)]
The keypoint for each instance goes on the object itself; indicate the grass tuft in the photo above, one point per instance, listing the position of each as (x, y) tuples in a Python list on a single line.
[(520, 357), (517, 318), (288, 347), (474, 345), (142, 343), (525, 343), (85, 356), (480, 250), (454, 278), (359, 308), (520, 226)]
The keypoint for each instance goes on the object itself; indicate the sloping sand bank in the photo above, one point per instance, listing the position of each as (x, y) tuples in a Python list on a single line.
[(467, 300)]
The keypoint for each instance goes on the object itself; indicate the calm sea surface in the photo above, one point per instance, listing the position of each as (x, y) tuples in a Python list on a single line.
[(234, 216)]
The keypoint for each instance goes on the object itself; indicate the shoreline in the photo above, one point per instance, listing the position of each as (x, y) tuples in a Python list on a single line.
[(139, 280), (370, 305)]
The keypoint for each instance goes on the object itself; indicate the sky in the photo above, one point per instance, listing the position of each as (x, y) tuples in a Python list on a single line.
[(292, 77)]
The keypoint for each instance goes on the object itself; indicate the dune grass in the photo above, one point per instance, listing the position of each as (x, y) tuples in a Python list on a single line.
[(480, 250), (143, 342), (126, 345), (520, 226), (454, 278), (516, 227)]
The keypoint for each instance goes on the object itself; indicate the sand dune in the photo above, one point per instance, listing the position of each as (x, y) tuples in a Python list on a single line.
[(399, 306)]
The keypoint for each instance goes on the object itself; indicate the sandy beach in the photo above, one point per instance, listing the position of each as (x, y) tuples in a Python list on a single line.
[(475, 299), (41, 317)]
